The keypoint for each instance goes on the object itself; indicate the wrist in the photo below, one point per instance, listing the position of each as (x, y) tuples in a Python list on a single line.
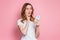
[(37, 25)]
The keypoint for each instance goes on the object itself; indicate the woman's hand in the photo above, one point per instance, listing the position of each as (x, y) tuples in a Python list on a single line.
[(37, 20), (37, 33)]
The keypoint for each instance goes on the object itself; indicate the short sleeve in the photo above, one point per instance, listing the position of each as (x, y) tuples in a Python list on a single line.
[(20, 23)]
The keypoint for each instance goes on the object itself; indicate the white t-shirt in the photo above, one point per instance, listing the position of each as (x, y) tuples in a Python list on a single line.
[(30, 32)]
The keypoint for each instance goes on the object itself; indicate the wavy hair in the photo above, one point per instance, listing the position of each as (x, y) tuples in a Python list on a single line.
[(23, 15)]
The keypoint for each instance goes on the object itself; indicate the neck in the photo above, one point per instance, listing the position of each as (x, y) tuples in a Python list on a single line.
[(28, 18)]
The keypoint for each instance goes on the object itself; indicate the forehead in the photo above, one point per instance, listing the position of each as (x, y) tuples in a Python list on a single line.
[(28, 6)]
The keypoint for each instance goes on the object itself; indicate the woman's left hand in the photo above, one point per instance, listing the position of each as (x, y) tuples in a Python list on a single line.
[(36, 22)]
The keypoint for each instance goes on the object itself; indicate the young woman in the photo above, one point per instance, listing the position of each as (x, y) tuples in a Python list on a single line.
[(27, 24)]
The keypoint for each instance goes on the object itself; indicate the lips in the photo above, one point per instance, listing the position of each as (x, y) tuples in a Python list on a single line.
[(29, 13)]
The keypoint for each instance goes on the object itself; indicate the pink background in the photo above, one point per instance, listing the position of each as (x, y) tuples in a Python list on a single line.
[(49, 10)]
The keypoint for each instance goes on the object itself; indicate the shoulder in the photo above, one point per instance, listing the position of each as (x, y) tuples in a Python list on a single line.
[(19, 21)]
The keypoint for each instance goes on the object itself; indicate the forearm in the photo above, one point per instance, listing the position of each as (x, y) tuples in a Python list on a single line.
[(24, 30), (37, 32)]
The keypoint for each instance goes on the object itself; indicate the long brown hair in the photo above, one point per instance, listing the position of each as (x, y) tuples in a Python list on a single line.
[(23, 15)]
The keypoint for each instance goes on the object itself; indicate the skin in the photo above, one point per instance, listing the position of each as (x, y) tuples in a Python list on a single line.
[(28, 13)]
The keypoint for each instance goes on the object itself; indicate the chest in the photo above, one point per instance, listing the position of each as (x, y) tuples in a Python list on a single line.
[(30, 26)]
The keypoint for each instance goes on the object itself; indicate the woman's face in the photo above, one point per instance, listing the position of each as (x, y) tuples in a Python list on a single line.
[(28, 10)]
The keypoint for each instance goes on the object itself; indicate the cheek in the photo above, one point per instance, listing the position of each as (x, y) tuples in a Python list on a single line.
[(30, 10), (26, 12)]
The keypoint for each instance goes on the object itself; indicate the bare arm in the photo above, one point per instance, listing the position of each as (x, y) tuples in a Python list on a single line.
[(24, 30), (37, 31)]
